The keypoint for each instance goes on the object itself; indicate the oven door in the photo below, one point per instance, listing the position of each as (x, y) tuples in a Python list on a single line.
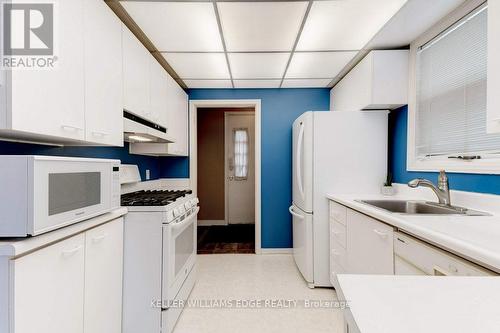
[(179, 255), (69, 191)]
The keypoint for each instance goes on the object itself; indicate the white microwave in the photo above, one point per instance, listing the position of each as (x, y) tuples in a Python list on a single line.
[(43, 193)]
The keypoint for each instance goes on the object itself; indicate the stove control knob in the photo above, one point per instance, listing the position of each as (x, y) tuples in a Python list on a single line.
[(182, 210), (197, 201), (187, 205), (176, 212), (170, 216), (194, 202)]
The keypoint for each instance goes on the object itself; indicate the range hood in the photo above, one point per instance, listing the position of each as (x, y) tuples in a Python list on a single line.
[(137, 129)]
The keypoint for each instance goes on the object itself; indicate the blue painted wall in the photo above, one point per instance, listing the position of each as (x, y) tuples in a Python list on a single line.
[(398, 121), (121, 153), (280, 107)]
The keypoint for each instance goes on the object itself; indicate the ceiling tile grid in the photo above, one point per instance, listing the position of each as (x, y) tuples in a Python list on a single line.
[(260, 44)]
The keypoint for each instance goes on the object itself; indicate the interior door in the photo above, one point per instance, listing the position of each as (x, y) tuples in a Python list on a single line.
[(240, 168)]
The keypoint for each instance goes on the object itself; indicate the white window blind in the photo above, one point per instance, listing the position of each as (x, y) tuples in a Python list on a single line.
[(241, 154), (451, 91)]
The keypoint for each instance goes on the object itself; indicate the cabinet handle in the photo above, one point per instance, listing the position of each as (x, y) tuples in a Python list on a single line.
[(380, 233), (98, 239), (69, 253), (98, 133), (71, 128)]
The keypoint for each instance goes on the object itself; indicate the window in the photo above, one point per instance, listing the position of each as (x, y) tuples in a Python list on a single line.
[(447, 120), (241, 154)]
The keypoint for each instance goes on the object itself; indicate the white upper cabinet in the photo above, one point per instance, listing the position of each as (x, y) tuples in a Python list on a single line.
[(379, 81), (81, 99), (493, 113), (158, 93), (51, 102), (136, 77), (103, 74), (177, 119)]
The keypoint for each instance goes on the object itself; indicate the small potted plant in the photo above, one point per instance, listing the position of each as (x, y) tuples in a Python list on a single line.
[(388, 189)]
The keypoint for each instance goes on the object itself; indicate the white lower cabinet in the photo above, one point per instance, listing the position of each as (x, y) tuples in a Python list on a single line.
[(48, 289), (370, 247), (103, 278), (74, 285)]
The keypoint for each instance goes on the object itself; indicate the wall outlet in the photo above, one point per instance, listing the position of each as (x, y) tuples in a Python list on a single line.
[(148, 174)]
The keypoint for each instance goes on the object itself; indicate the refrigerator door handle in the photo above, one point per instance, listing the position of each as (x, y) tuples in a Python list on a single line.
[(290, 209), (299, 160)]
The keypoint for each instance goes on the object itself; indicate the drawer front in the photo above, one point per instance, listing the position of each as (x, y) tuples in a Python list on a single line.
[(434, 261), (338, 212), (338, 233)]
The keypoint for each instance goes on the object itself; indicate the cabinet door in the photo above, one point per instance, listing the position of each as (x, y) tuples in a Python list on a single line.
[(135, 75), (103, 278), (369, 245), (51, 102), (493, 67), (158, 92), (103, 74), (48, 289), (177, 119)]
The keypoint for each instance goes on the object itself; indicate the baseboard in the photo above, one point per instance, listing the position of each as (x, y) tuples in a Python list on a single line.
[(205, 223), (276, 251)]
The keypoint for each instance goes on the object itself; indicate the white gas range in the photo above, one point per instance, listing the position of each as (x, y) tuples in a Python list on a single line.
[(159, 257)]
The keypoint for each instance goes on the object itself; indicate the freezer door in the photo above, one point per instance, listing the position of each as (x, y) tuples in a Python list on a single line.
[(302, 165), (303, 242)]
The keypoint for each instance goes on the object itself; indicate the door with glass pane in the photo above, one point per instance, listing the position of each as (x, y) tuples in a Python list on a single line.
[(240, 167)]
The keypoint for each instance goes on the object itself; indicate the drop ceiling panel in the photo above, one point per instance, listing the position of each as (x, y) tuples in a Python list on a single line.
[(257, 83), (345, 25), (208, 83), (318, 65), (305, 83), (198, 65), (258, 65), (177, 26), (261, 26)]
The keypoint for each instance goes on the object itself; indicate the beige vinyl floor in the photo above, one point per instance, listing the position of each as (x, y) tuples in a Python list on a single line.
[(249, 293)]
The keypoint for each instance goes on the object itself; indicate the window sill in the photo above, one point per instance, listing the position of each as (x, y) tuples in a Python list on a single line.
[(486, 166)]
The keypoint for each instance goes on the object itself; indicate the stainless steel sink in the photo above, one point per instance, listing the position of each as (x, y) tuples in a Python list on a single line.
[(421, 208)]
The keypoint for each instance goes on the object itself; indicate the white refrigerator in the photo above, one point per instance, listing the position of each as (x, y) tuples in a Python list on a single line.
[(333, 152)]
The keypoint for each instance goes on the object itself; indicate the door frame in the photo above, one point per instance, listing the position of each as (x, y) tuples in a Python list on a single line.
[(193, 149), (226, 175)]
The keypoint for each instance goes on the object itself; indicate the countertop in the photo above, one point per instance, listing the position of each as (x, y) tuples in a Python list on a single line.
[(19, 246), (476, 238), (421, 304)]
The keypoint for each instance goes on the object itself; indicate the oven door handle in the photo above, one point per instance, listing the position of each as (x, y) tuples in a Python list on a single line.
[(181, 225)]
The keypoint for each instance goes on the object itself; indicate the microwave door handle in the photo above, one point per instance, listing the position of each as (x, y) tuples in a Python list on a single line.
[(178, 227)]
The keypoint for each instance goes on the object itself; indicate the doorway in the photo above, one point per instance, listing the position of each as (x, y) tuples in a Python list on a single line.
[(226, 179)]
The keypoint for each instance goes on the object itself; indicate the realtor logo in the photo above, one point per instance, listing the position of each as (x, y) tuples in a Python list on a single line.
[(28, 35)]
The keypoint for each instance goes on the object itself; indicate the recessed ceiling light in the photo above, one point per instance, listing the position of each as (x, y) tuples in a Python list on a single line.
[(177, 26), (345, 25)]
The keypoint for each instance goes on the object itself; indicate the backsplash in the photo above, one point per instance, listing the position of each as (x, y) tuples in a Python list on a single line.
[(398, 124)]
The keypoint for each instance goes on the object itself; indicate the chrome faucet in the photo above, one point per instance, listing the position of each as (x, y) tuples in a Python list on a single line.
[(442, 189)]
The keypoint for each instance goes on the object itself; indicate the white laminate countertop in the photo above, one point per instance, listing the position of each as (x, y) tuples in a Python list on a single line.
[(19, 246), (476, 238), (421, 304)]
